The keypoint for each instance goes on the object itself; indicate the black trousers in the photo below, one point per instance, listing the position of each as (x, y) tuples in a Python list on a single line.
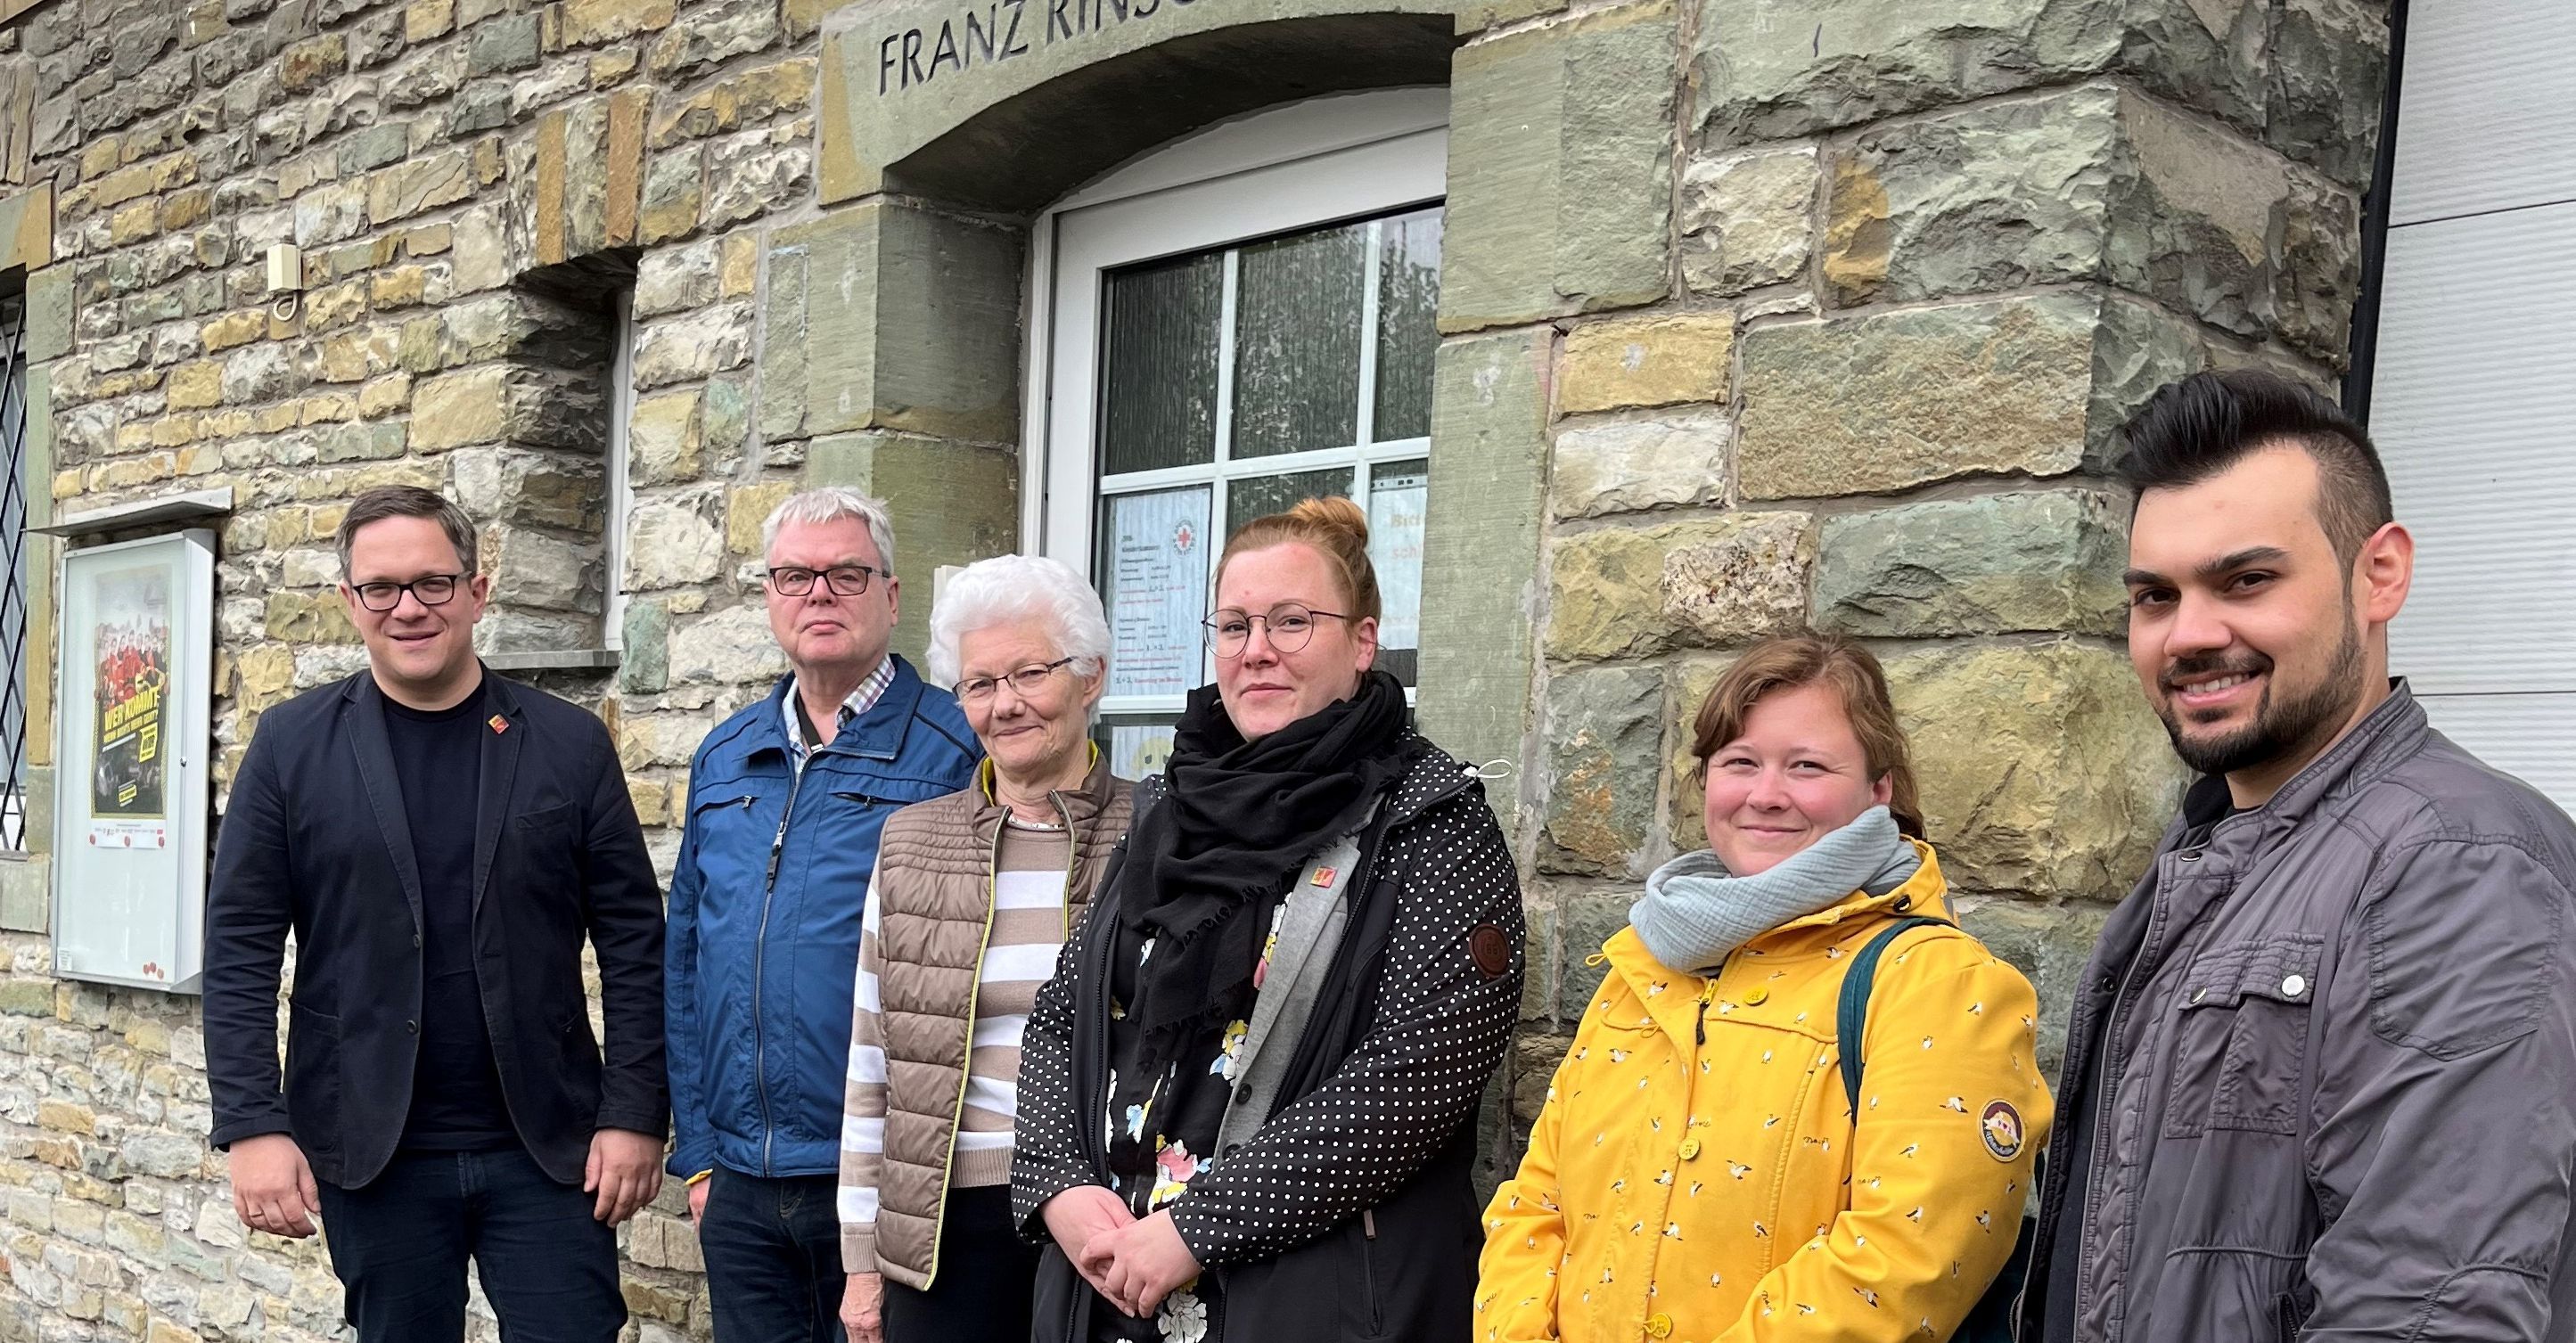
[(773, 1254), (400, 1244), (981, 1291)]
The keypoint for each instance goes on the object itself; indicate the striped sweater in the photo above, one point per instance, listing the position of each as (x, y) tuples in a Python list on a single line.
[(967, 916)]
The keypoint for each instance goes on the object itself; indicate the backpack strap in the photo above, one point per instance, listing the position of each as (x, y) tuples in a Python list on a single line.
[(1851, 1016)]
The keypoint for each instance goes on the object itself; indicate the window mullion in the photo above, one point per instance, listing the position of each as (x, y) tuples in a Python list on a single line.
[(1367, 420)]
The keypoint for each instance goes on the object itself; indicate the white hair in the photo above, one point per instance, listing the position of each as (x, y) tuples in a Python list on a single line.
[(1019, 587), (831, 503)]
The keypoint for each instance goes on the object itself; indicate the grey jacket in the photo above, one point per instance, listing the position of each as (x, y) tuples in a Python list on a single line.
[(2323, 1067)]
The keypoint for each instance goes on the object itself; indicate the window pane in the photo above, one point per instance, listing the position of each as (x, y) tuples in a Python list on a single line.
[(1297, 342), (1408, 300), (1396, 494), (1154, 575), (1262, 495), (1161, 364)]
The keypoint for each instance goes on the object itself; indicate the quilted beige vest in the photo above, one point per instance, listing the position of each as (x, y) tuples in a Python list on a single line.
[(934, 885)]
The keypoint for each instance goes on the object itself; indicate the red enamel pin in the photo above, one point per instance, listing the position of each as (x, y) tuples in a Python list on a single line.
[(499, 724), (1323, 877)]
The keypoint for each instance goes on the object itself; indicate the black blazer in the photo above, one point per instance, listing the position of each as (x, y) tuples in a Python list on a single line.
[(315, 839)]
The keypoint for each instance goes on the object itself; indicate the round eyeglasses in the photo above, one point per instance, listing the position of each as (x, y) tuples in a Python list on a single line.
[(847, 580), (428, 590), (1289, 626)]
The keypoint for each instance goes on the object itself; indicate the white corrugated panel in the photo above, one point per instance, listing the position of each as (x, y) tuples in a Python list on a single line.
[(2530, 736), (2474, 407), (2473, 398), (2486, 117)]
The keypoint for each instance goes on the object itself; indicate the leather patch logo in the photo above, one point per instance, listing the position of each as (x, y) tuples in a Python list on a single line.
[(2001, 1125), (1490, 949)]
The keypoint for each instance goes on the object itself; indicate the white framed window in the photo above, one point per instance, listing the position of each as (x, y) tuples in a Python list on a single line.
[(1232, 324)]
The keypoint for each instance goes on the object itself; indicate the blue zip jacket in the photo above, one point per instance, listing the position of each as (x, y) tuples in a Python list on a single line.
[(763, 943)]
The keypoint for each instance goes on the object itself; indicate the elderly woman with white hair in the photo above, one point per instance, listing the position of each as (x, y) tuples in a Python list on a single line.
[(974, 894)]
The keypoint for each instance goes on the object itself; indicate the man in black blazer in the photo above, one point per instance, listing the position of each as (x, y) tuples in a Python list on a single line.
[(440, 841)]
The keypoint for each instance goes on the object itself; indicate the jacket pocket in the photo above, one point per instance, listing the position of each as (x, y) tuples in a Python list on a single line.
[(2288, 1317), (313, 1078), (546, 818), (2241, 1038)]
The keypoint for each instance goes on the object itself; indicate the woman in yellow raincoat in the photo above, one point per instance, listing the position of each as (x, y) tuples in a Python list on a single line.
[(1697, 1173)]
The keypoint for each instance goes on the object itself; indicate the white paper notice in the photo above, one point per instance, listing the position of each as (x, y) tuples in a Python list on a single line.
[(1395, 547), (109, 833), (1138, 752), (1158, 566)]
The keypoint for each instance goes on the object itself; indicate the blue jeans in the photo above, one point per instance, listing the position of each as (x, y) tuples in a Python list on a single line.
[(773, 1253), (400, 1244)]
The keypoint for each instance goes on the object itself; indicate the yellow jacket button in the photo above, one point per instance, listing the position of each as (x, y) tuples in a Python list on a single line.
[(1659, 1324), (1690, 1149), (1757, 997)]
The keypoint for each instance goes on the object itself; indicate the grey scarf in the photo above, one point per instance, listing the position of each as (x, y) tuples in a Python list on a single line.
[(1694, 914)]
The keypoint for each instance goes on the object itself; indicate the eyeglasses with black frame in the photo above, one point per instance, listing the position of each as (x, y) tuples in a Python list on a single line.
[(428, 590), (1024, 682), (1290, 626), (847, 580)]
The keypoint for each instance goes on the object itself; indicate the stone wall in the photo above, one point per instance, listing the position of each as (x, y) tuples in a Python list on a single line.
[(470, 182), (1814, 311), (1822, 315)]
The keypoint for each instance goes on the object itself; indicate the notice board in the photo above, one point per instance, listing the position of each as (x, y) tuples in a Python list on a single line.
[(132, 739)]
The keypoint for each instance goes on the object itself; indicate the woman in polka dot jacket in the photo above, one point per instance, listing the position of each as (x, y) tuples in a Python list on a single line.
[(1247, 1096), (1697, 1172)]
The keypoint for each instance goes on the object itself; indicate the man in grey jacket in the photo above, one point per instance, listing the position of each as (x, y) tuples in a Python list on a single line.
[(2321, 1074)]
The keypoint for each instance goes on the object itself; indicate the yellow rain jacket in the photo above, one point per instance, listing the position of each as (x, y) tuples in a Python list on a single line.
[(1697, 1176)]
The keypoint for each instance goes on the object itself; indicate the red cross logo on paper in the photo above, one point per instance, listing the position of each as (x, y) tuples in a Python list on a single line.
[(1184, 537), (499, 724)]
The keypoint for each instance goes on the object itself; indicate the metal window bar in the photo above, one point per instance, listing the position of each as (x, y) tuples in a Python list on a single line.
[(15, 581)]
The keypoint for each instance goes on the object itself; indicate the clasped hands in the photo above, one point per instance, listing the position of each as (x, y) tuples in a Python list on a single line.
[(1132, 1262)]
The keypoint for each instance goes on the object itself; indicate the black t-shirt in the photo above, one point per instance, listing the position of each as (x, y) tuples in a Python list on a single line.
[(456, 1103)]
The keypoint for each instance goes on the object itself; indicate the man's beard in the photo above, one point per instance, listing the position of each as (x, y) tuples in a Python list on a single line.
[(2297, 722)]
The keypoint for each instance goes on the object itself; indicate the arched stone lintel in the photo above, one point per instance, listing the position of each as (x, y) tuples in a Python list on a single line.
[(1017, 134)]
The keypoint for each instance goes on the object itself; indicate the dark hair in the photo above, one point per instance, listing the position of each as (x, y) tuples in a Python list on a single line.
[(1789, 662), (2194, 429), (408, 501)]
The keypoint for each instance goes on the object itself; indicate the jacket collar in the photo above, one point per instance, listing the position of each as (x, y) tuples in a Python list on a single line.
[(2385, 738), (877, 734), (1081, 805), (1675, 1006)]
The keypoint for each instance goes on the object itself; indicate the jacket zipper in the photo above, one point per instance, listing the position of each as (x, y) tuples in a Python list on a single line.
[(2110, 1037), (1368, 1268), (974, 996), (760, 960), (1707, 995)]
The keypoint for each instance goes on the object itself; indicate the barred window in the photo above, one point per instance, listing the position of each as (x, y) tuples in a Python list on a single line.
[(15, 581)]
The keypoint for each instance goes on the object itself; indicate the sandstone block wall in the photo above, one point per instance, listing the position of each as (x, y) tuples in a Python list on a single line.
[(470, 181), (1822, 315)]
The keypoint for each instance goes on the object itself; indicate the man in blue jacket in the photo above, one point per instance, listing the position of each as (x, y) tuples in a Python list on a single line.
[(786, 799)]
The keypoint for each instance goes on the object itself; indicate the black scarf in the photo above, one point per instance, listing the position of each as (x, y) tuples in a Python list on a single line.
[(1206, 869)]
